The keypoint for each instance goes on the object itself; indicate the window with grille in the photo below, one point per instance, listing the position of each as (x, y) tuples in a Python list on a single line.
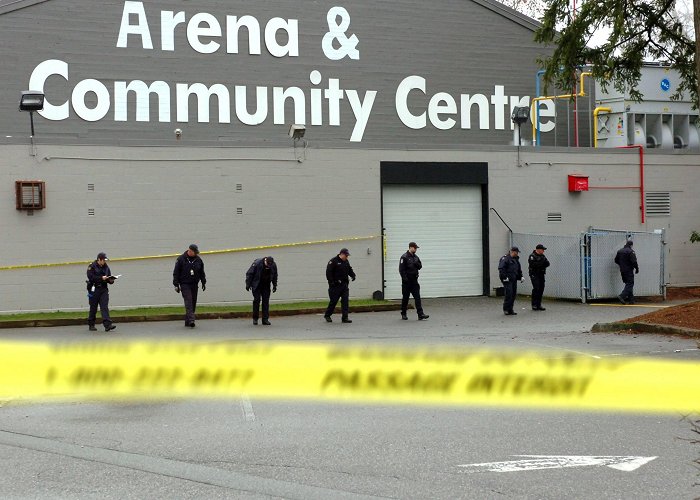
[(657, 204), (30, 195)]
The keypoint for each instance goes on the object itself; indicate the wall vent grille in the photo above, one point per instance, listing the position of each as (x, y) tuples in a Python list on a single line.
[(91, 212), (554, 217), (91, 187), (239, 211), (658, 204)]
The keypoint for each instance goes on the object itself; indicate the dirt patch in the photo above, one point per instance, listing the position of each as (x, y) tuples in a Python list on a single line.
[(682, 293), (684, 315)]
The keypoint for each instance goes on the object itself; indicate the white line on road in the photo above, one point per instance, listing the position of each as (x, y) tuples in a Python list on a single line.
[(247, 407), (535, 462)]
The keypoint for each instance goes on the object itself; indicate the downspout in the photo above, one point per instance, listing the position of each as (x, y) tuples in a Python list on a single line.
[(597, 110), (641, 174), (536, 100)]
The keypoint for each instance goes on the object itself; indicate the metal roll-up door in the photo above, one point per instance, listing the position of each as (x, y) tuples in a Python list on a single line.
[(446, 222)]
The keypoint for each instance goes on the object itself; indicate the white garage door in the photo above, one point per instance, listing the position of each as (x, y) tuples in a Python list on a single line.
[(445, 221)]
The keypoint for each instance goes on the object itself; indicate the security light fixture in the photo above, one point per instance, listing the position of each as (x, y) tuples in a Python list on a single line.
[(31, 100), (296, 132), (520, 114)]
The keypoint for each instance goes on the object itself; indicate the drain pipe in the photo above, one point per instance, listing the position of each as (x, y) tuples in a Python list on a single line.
[(641, 174), (535, 102), (597, 110)]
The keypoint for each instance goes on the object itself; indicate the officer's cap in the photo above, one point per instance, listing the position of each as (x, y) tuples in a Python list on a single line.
[(345, 251), (540, 247), (194, 248), (413, 244), (514, 249), (101, 256), (270, 260), (630, 243)]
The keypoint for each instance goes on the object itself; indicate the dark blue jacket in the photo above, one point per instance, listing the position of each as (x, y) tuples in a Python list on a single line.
[(627, 260), (95, 273), (537, 264), (509, 267), (189, 270), (409, 265), (338, 270), (255, 273)]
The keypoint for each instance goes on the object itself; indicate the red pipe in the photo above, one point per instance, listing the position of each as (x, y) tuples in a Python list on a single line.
[(641, 174)]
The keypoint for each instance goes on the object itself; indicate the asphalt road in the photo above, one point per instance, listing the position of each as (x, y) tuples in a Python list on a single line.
[(243, 448)]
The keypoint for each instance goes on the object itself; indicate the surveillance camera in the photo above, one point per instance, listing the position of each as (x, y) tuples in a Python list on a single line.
[(178, 133)]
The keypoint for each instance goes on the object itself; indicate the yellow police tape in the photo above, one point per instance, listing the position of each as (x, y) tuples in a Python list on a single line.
[(444, 376), (208, 252)]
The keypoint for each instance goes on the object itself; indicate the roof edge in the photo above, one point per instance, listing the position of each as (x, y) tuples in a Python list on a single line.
[(512, 14), (13, 5)]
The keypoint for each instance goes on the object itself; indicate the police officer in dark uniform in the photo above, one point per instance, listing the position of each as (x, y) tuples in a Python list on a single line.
[(537, 267), (99, 277), (409, 265), (337, 273), (509, 272), (188, 272), (261, 274), (627, 260)]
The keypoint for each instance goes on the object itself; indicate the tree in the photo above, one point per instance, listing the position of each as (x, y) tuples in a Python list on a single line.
[(694, 237), (639, 30)]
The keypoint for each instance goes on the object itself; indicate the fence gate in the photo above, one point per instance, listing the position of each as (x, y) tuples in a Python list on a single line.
[(602, 275), (583, 267)]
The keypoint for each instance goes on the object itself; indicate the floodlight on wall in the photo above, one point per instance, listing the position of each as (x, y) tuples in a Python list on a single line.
[(31, 100), (519, 116), (296, 132)]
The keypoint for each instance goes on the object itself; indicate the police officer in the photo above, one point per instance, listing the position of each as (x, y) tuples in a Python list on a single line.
[(627, 260), (188, 272), (337, 272), (510, 273), (99, 277), (409, 265), (261, 274), (537, 267)]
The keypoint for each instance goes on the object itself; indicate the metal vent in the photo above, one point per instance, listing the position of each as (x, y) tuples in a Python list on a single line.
[(30, 195), (91, 187), (91, 212), (239, 211), (239, 187), (658, 204), (554, 217)]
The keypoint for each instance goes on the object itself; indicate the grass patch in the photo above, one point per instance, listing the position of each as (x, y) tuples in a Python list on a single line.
[(156, 311)]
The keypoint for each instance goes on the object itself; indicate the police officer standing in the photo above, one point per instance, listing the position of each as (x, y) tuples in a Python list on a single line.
[(537, 267), (261, 274), (409, 265), (627, 260), (99, 277), (337, 272), (188, 272), (509, 272)]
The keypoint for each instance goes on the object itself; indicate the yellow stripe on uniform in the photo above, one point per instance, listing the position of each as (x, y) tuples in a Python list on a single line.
[(448, 376)]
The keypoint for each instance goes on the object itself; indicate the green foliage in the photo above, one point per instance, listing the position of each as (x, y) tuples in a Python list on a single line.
[(694, 237), (639, 30)]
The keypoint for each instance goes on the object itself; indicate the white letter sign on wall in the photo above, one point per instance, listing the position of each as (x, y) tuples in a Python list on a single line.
[(410, 120), (141, 28), (38, 80)]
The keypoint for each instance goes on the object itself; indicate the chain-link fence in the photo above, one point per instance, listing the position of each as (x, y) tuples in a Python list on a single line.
[(583, 267), (563, 279), (603, 275)]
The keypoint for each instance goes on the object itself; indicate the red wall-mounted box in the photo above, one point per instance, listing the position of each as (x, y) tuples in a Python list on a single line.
[(578, 183)]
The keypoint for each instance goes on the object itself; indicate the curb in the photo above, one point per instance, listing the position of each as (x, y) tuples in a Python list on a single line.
[(34, 323), (645, 328)]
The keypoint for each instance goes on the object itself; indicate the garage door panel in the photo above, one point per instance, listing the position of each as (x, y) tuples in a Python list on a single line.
[(446, 222)]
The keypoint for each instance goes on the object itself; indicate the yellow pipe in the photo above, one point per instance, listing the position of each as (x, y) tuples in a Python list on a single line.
[(581, 93), (595, 122)]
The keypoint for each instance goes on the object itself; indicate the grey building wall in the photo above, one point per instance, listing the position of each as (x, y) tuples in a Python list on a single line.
[(155, 201), (458, 46)]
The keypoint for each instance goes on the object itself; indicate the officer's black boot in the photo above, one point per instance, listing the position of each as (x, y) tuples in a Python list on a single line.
[(403, 316)]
